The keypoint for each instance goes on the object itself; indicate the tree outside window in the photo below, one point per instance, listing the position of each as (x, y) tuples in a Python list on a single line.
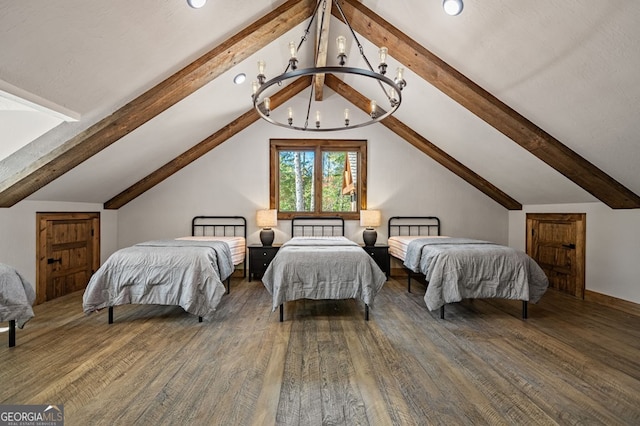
[(318, 177)]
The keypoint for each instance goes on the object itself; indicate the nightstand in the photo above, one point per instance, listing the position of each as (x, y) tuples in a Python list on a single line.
[(380, 254), (260, 257)]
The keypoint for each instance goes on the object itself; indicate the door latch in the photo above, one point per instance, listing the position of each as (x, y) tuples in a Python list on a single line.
[(569, 246), (52, 260)]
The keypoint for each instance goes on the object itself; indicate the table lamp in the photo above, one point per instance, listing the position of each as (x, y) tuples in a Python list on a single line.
[(370, 219), (266, 219)]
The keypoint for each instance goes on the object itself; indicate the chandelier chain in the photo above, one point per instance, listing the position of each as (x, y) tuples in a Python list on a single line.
[(360, 48)]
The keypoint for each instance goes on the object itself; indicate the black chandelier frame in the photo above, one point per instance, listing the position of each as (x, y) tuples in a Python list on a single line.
[(377, 114)]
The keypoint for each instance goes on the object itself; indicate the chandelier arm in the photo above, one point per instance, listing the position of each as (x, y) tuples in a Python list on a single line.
[(360, 48)]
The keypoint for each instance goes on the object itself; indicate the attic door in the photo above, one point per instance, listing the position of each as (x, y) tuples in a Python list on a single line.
[(68, 252), (557, 243)]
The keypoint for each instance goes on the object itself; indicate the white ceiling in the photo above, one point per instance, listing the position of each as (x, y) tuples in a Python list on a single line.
[(569, 67)]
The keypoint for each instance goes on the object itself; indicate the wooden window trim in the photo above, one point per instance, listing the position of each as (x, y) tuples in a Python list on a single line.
[(318, 145)]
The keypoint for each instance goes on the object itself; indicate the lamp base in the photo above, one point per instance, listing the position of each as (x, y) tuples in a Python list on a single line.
[(267, 236), (369, 235)]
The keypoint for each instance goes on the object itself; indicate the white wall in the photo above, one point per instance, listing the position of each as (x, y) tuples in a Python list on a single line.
[(233, 179), (18, 232), (612, 264)]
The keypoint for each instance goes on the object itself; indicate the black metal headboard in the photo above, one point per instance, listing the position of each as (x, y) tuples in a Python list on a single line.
[(310, 226), (413, 225), (219, 226)]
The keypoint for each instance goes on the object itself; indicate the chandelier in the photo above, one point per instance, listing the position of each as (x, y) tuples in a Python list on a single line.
[(309, 117)]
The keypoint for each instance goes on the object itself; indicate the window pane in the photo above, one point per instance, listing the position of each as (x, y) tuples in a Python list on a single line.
[(339, 181), (296, 181)]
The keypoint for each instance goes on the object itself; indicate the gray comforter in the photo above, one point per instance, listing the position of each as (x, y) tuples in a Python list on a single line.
[(166, 272), (322, 268), (458, 268), (16, 296)]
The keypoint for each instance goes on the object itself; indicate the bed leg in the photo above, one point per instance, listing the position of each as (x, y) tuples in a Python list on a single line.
[(228, 285), (12, 333), (525, 308), (199, 319), (409, 282), (281, 312), (110, 314), (366, 312), (442, 312)]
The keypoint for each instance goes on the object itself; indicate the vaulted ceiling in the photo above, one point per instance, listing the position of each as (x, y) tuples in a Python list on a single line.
[(530, 103)]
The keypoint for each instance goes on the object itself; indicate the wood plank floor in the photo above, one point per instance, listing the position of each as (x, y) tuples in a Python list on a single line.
[(571, 362)]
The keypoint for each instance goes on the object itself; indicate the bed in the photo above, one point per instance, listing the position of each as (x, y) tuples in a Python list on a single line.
[(16, 299), (319, 263), (463, 268), (188, 271)]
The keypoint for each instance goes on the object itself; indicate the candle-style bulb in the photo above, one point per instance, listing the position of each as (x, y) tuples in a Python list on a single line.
[(267, 106), (293, 61), (399, 80), (383, 54), (342, 49), (292, 49), (382, 67), (374, 107), (342, 44), (261, 77)]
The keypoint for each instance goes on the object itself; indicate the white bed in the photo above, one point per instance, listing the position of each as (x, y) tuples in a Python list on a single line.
[(313, 265), (186, 271), (461, 268)]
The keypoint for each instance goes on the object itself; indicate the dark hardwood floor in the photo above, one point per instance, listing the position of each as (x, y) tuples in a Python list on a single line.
[(571, 362)]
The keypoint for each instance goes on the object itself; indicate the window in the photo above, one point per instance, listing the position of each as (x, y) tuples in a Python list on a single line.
[(318, 177)]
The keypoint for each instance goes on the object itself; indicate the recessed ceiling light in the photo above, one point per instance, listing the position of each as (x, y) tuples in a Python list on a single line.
[(240, 78), (196, 4), (452, 7)]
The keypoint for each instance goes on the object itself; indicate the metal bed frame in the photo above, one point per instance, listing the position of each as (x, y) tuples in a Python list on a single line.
[(225, 226), (311, 226), (415, 225), (317, 226)]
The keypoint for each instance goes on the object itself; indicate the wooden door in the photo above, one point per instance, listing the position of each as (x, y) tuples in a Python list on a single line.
[(557, 242), (68, 252)]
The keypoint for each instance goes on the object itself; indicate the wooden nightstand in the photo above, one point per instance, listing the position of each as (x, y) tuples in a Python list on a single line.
[(380, 254), (259, 258)]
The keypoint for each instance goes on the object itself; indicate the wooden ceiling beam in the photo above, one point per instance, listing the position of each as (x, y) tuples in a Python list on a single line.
[(322, 47), (487, 107), (197, 151), (157, 99), (411, 136)]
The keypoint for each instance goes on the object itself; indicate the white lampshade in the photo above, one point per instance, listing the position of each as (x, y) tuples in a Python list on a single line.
[(267, 218), (370, 218)]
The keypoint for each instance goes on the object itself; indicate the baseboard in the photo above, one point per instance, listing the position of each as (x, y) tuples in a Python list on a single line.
[(613, 302)]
